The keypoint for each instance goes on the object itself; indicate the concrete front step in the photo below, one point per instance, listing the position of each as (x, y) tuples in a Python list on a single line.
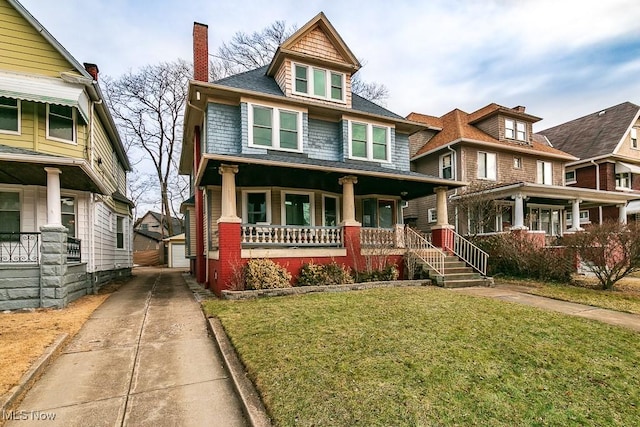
[(466, 283), (470, 275)]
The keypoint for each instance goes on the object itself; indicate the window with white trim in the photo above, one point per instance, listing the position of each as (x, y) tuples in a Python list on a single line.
[(369, 142), (61, 123), (544, 173), (9, 212), (330, 211), (432, 215), (9, 115), (570, 177), (623, 180), (120, 232), (318, 82), (584, 217), (68, 211), (515, 130), (446, 166), (298, 208), (256, 207), (275, 128), (517, 162), (487, 166), (634, 138)]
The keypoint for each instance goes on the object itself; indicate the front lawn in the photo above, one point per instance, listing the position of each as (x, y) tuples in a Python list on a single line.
[(428, 356)]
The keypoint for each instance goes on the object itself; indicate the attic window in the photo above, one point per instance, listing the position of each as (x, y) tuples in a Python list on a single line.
[(318, 83), (634, 138)]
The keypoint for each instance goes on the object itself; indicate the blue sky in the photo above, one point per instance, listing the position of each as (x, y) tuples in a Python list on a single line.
[(560, 58)]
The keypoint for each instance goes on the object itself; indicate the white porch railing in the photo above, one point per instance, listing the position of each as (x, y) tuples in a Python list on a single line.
[(382, 237), (423, 249), (290, 235), (470, 253)]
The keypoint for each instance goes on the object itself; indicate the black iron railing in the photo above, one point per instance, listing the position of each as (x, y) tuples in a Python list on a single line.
[(73, 249), (19, 247)]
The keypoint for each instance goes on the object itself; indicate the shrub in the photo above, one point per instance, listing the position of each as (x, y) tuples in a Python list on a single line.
[(388, 273), (265, 274), (519, 256), (328, 274)]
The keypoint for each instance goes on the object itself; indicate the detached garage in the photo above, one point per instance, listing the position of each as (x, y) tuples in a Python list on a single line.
[(176, 252)]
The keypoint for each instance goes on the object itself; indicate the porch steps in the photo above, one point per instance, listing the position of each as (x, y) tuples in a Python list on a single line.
[(457, 274)]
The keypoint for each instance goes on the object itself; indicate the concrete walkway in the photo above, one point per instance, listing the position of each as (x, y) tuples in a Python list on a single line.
[(144, 358), (514, 294)]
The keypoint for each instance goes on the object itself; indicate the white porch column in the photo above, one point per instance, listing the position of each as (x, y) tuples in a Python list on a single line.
[(442, 214), (54, 214), (575, 215), (622, 217), (348, 200), (228, 205), (518, 214)]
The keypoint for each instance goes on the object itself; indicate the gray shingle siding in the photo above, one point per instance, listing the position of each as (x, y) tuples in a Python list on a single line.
[(223, 129), (244, 108), (400, 151), (324, 140)]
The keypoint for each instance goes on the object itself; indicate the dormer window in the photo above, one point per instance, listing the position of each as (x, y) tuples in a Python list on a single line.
[(318, 83), (515, 130)]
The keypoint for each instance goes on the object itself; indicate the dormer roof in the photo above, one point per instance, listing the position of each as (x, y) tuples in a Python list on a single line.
[(297, 46), (493, 109)]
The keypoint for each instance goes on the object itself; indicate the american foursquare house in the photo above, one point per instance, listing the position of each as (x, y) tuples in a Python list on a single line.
[(65, 219), (287, 163)]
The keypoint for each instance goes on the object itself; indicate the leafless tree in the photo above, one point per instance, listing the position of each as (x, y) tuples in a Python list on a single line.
[(148, 106), (478, 206), (245, 52), (611, 250)]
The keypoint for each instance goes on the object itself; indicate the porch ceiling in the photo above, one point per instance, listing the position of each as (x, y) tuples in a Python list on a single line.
[(72, 177), (268, 173)]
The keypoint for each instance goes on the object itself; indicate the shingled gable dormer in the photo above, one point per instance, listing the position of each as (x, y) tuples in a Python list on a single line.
[(505, 124), (315, 64)]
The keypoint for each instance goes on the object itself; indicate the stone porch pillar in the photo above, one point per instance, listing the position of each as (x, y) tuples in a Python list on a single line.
[(575, 215), (53, 265), (229, 232), (54, 214), (442, 232), (622, 214), (348, 200), (518, 213)]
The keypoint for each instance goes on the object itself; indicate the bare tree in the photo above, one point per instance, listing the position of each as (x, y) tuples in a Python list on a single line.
[(245, 52), (148, 106), (478, 206), (611, 250)]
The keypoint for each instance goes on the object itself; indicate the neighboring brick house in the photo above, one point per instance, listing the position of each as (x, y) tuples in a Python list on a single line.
[(65, 220), (287, 163), (606, 144), (496, 152)]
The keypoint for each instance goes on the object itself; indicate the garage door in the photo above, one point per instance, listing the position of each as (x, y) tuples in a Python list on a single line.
[(177, 256)]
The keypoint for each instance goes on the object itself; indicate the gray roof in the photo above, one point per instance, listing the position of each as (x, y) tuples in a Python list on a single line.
[(15, 150), (258, 81), (596, 134)]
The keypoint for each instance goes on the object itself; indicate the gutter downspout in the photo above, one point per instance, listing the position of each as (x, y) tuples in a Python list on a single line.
[(597, 165)]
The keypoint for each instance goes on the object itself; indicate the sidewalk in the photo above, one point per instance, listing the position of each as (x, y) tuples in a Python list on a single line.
[(143, 358), (511, 293)]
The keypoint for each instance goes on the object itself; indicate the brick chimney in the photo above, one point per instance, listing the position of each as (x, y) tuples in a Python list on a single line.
[(519, 109), (200, 52), (92, 69)]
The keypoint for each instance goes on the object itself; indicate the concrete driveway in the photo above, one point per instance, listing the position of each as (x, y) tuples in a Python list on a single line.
[(143, 358)]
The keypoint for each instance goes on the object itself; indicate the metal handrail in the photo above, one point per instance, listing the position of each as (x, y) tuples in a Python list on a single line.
[(423, 249), (19, 247), (475, 257)]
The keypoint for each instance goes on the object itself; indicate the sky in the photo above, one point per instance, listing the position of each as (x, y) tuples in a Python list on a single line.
[(561, 59)]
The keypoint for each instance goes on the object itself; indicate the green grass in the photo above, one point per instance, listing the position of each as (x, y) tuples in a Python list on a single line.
[(625, 298), (427, 356)]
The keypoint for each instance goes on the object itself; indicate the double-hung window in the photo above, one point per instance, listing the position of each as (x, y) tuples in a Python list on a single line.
[(275, 128), (9, 212), (68, 209), (9, 115), (634, 138), (120, 232), (256, 207), (487, 167), (446, 166), (623, 180), (318, 82), (544, 173), (61, 123), (369, 142), (515, 130)]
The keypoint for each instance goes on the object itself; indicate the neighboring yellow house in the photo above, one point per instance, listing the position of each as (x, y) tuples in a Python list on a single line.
[(62, 163)]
